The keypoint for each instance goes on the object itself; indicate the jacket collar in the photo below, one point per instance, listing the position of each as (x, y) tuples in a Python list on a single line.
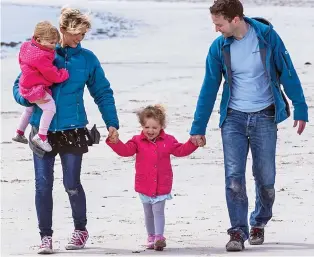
[(68, 51), (160, 136), (261, 26), (35, 43)]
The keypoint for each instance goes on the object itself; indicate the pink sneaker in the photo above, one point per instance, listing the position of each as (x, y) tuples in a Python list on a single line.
[(46, 245), (160, 243), (150, 242), (78, 240)]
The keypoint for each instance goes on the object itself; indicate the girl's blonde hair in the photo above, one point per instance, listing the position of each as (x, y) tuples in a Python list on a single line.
[(44, 30), (157, 112), (73, 21)]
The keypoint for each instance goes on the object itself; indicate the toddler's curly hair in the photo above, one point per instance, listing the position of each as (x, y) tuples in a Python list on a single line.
[(157, 112)]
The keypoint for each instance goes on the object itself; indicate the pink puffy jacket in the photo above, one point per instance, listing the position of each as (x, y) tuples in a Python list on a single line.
[(38, 71), (153, 168)]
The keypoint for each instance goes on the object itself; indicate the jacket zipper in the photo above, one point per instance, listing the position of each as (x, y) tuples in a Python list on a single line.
[(77, 107), (270, 82), (229, 87), (65, 66), (268, 72)]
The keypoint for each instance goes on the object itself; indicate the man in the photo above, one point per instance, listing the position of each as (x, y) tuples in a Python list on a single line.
[(254, 62)]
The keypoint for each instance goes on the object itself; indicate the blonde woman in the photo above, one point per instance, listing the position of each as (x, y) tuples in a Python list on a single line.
[(67, 133)]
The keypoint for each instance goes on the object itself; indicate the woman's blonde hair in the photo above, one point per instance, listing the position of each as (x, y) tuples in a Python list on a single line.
[(157, 112), (73, 21), (44, 30)]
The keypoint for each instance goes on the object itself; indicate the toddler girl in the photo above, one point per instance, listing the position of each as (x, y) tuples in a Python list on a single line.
[(153, 177), (38, 74)]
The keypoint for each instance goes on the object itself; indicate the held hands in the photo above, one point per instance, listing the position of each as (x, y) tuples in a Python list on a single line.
[(198, 140), (301, 127), (113, 135)]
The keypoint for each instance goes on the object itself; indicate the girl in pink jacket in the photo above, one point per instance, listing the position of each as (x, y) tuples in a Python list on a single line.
[(38, 74), (153, 177)]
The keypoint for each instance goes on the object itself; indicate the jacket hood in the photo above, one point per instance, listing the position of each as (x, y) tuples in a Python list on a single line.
[(260, 25)]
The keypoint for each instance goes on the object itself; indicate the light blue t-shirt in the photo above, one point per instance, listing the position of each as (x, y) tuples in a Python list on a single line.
[(250, 90)]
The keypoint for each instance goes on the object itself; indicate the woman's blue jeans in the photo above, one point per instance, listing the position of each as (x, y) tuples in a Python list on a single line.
[(44, 169)]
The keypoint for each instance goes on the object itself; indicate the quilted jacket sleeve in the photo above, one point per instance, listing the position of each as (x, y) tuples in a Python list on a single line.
[(17, 96), (99, 88), (50, 72), (124, 149)]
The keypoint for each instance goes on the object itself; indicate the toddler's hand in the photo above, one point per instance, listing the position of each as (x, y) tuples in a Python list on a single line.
[(198, 140)]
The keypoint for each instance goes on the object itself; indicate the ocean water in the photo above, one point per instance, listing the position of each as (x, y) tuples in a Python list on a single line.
[(105, 25)]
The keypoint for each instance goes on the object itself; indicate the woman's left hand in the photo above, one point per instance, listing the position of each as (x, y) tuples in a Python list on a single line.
[(113, 135)]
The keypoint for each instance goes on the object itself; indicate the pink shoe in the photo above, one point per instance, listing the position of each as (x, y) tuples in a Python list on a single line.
[(160, 243), (46, 245), (150, 242), (78, 240)]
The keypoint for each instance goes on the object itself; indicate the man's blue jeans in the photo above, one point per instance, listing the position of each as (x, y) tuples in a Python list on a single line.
[(256, 131), (44, 169)]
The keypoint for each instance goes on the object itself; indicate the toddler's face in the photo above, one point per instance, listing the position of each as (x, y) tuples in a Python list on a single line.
[(51, 43), (151, 128)]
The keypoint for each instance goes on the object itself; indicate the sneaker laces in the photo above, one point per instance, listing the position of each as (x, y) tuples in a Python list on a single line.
[(46, 242), (235, 236), (258, 232), (77, 235)]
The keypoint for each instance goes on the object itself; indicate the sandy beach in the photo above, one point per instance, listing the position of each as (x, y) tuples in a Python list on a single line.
[(162, 61)]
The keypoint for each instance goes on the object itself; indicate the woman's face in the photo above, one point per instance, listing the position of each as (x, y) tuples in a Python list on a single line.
[(72, 40)]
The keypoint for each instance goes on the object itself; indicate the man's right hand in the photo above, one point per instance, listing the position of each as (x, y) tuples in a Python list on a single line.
[(198, 140), (40, 101)]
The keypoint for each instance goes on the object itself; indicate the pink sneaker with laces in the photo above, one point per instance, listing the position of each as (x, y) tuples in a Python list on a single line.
[(150, 242), (160, 243), (46, 245), (78, 240)]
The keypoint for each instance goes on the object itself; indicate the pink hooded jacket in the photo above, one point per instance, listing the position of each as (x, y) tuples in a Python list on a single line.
[(38, 71), (152, 165)]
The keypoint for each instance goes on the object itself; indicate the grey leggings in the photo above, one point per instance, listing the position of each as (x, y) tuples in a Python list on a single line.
[(155, 217)]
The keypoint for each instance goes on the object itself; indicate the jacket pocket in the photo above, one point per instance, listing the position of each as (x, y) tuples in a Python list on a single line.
[(286, 62), (284, 98), (140, 179)]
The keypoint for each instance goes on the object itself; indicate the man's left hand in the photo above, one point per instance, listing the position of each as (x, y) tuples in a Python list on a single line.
[(301, 127)]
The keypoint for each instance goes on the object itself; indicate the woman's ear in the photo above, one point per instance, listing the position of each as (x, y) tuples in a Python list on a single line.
[(62, 30)]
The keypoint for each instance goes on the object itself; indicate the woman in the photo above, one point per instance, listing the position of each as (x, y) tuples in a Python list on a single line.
[(67, 133)]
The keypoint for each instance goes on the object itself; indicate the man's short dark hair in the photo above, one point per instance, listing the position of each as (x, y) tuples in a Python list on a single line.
[(229, 9)]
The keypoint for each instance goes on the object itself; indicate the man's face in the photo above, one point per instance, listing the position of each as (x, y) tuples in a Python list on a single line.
[(224, 26)]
